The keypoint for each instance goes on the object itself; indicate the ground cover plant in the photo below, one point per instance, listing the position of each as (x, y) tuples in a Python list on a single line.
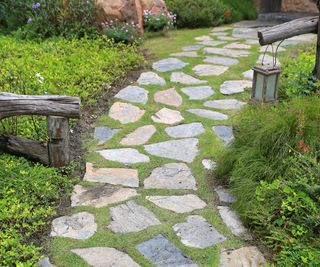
[(29, 194)]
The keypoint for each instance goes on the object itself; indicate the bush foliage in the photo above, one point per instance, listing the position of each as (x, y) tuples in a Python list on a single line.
[(28, 194)]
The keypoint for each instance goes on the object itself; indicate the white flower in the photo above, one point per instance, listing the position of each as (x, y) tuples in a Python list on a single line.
[(38, 74)]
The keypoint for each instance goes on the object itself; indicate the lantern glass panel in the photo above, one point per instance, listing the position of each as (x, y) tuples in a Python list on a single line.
[(271, 87), (258, 94)]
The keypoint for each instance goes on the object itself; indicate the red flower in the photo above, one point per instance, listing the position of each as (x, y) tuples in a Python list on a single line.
[(227, 14), (303, 147)]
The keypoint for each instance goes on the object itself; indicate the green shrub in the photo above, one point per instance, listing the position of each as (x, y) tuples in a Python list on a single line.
[(273, 169), (28, 194), (297, 75), (155, 23), (241, 9), (198, 13)]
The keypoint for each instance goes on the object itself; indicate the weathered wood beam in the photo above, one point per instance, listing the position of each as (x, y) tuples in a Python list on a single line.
[(33, 150), (289, 29), (49, 105)]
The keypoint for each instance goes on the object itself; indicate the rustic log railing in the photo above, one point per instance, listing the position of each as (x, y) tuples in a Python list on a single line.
[(57, 109)]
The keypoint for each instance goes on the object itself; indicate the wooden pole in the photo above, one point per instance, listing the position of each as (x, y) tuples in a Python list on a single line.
[(317, 67), (58, 145)]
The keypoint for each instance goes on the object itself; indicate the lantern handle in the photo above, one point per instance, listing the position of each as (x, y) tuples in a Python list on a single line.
[(274, 54)]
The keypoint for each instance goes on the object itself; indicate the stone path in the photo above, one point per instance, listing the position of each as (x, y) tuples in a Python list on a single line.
[(145, 176)]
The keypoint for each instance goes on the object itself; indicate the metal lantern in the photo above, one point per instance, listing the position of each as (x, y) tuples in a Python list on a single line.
[(265, 84)]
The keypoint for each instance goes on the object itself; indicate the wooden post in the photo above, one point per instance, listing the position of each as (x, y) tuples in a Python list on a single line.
[(58, 145), (317, 67)]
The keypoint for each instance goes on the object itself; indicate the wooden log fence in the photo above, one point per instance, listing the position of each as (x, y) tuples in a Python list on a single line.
[(58, 110)]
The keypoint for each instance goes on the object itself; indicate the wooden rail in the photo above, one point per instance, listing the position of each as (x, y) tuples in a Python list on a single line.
[(58, 109)]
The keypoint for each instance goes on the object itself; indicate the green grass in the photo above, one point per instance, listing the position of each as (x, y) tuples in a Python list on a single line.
[(210, 147)]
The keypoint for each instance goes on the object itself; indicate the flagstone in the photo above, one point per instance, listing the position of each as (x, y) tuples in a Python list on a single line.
[(235, 87), (209, 70), (140, 136), (167, 116), (100, 196), (245, 32), (244, 257), (44, 262), (225, 104), (221, 29), (133, 94), (237, 46), (182, 78), (103, 134), (226, 61), (168, 97), (178, 204), (267, 60), (227, 38), (225, 133), (233, 222), (171, 176), (114, 176), (185, 54), (198, 233), (208, 114), (225, 197), (252, 41), (79, 226), (203, 38), (162, 253), (219, 33), (271, 49), (131, 217), (185, 130), (125, 113), (198, 92), (124, 155), (209, 164), (226, 52), (192, 48), (105, 257), (169, 64), (184, 149), (150, 78), (248, 74), (211, 42), (287, 43)]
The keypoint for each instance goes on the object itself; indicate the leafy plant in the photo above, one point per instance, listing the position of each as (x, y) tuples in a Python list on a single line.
[(158, 22)]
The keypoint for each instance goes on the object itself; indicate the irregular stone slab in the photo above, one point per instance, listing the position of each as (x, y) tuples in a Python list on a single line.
[(252, 41), (219, 33), (161, 252), (308, 37), (130, 218), (45, 262), (267, 60), (105, 257), (244, 257), (180, 77), (255, 24), (184, 149), (225, 197), (227, 38), (185, 130), (167, 116), (139, 137), (100, 196), (226, 61), (248, 74), (288, 43), (79, 226), (168, 97), (226, 52), (209, 164), (151, 78), (208, 114), (212, 43), (232, 220), (192, 48), (124, 155), (185, 54), (225, 104), (133, 94), (245, 32), (209, 70), (125, 113), (221, 29), (198, 92), (171, 176), (237, 46), (114, 176), (225, 133), (203, 38), (198, 233), (103, 134), (270, 49), (178, 204), (169, 64), (235, 87)]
